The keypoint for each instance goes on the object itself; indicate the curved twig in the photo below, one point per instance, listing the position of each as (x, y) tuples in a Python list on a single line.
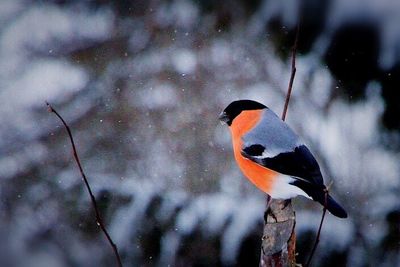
[(319, 230), (99, 220)]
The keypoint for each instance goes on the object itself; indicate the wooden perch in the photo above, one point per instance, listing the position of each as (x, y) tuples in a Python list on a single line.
[(278, 247), (279, 240)]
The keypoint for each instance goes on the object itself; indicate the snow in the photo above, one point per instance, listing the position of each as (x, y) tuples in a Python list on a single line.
[(336, 234), (286, 9), (212, 213), (172, 201), (180, 14), (49, 80), (160, 126), (28, 81), (381, 13), (139, 38), (157, 96), (26, 157), (169, 246), (8, 9), (45, 79), (246, 215), (318, 85), (384, 14), (199, 211), (41, 27), (351, 132), (126, 220), (220, 53), (184, 61)]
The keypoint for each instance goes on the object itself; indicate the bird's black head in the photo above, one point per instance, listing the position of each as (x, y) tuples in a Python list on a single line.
[(236, 107)]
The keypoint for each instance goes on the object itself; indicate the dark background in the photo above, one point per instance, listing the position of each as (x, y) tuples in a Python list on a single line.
[(142, 83)]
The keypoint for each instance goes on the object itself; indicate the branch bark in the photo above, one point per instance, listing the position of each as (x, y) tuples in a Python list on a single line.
[(278, 247), (279, 239)]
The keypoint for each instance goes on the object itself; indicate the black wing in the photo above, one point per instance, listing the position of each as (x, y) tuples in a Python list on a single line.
[(299, 163)]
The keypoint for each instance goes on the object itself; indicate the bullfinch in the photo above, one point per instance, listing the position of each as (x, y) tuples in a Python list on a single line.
[(272, 156)]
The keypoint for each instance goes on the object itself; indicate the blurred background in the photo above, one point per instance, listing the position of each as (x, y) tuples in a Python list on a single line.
[(141, 84)]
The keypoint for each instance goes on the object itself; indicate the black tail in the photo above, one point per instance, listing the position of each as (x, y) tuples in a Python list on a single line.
[(318, 194), (332, 206)]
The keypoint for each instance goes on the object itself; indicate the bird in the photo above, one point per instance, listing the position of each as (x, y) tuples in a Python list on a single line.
[(273, 157)]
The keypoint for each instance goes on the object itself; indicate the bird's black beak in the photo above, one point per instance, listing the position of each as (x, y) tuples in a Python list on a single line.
[(223, 117)]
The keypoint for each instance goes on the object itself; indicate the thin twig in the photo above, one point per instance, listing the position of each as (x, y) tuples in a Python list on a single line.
[(293, 73), (291, 241), (285, 108), (319, 230), (99, 220)]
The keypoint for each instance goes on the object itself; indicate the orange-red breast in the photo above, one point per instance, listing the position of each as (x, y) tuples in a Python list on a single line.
[(272, 156)]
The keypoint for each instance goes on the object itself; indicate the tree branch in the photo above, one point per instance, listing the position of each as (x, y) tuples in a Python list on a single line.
[(319, 230), (293, 73), (278, 246), (99, 220)]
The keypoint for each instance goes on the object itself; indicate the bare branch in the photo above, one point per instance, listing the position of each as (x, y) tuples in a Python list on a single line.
[(319, 230), (289, 92), (273, 237), (293, 73), (99, 220)]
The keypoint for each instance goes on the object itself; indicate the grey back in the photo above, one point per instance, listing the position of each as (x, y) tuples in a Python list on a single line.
[(273, 134)]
